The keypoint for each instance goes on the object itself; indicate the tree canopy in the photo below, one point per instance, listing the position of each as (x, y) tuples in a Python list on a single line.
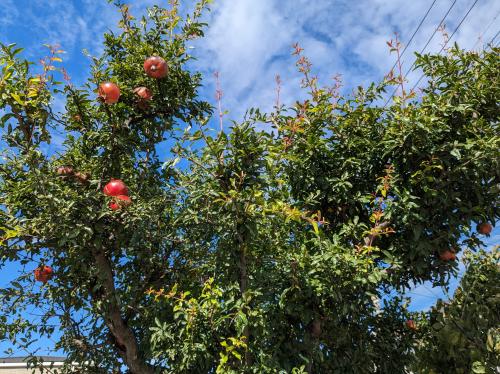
[(243, 250)]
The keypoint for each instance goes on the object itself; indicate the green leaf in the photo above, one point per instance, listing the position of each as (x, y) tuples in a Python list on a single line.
[(17, 98), (456, 153), (236, 354), (478, 368)]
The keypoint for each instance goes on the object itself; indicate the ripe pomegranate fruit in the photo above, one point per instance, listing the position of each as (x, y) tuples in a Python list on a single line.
[(155, 67), (120, 201), (115, 187), (144, 93), (484, 228), (82, 177), (109, 92), (448, 255), (411, 324), (64, 170), (43, 273)]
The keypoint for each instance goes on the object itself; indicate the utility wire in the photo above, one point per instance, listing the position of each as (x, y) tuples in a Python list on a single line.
[(493, 39), (485, 30), (415, 32), (436, 30), (422, 295), (446, 43), (425, 46)]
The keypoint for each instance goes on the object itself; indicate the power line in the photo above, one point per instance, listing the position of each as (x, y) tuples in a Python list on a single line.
[(425, 46), (485, 30), (415, 32), (422, 295), (493, 39), (437, 28), (458, 26), (446, 43)]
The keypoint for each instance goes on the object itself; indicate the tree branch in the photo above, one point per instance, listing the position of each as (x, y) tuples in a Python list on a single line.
[(121, 335)]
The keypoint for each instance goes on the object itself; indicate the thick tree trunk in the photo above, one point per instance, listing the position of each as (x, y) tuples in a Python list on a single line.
[(121, 334)]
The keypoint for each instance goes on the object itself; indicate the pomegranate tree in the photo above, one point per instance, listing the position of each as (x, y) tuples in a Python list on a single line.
[(215, 267)]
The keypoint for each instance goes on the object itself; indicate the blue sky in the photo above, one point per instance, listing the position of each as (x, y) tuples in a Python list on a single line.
[(249, 41)]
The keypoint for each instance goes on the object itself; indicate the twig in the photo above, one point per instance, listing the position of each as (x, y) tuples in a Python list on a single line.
[(278, 91), (218, 97)]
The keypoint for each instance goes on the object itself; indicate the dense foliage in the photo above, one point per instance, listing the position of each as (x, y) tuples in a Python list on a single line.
[(463, 335), (242, 250)]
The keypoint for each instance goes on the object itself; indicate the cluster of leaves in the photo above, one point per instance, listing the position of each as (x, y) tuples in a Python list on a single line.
[(442, 151), (463, 334), (244, 251), (306, 298), (194, 334), (27, 96)]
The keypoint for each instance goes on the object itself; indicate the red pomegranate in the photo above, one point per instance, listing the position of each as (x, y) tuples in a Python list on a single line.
[(448, 255), (115, 187), (64, 170), (120, 201), (82, 177), (411, 324), (109, 92), (156, 67), (484, 228), (144, 93), (43, 273)]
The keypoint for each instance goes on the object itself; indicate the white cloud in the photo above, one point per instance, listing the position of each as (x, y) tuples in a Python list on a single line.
[(249, 41), (8, 14), (73, 25)]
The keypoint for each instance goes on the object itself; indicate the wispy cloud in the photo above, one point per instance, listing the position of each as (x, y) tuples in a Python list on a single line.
[(249, 41), (8, 14)]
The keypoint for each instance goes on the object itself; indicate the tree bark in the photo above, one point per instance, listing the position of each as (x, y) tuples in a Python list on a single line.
[(121, 334)]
